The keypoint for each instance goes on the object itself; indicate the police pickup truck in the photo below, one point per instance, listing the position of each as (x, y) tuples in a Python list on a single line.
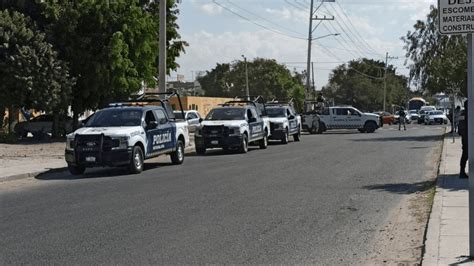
[(284, 121), (234, 125), (346, 117), (125, 134)]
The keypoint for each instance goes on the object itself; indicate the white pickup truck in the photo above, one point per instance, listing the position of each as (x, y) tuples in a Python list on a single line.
[(127, 134), (347, 117)]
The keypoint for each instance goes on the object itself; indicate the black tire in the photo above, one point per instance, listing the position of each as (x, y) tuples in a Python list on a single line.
[(297, 136), (285, 138), (314, 128), (361, 130), (76, 169), (136, 162), (264, 142), (200, 150), (370, 127), (177, 157), (244, 146), (321, 128)]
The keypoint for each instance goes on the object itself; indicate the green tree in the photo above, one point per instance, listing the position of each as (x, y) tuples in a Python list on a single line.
[(31, 75), (439, 61), (111, 46), (266, 77), (360, 84)]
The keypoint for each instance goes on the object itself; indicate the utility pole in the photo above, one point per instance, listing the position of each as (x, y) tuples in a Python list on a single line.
[(162, 55), (312, 70), (310, 39), (247, 93), (385, 80)]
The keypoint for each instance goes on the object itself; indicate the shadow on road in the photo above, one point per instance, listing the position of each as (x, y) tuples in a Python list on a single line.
[(404, 138), (403, 188), (63, 173), (220, 152)]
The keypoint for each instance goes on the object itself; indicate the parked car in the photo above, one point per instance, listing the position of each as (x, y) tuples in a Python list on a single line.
[(284, 122), (435, 117), (126, 134), (233, 126), (347, 117), (387, 118), (414, 115), (397, 118), (423, 110), (191, 116), (40, 126)]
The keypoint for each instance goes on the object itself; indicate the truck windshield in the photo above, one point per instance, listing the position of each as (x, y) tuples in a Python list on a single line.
[(276, 112), (115, 118), (226, 114)]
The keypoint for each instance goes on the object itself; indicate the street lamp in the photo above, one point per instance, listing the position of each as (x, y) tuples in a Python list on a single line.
[(308, 66), (324, 36), (246, 79)]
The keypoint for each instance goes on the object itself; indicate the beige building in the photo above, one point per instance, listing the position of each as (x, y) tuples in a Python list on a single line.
[(201, 104)]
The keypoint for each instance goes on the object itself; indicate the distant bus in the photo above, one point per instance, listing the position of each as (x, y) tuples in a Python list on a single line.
[(416, 103)]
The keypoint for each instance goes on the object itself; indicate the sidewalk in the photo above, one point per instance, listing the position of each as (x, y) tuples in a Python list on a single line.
[(447, 238), (18, 161)]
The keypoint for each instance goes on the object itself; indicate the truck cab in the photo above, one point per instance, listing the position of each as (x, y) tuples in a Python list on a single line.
[(126, 134), (233, 126)]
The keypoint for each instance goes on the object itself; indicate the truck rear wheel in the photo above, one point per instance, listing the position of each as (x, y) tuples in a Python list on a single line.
[(76, 169), (136, 163), (177, 157)]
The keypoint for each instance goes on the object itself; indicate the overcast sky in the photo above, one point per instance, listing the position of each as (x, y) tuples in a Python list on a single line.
[(221, 31)]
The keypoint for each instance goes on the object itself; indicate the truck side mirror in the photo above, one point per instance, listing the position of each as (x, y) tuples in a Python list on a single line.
[(152, 125), (200, 120)]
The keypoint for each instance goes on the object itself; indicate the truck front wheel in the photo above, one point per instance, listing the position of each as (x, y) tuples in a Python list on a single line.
[(285, 138), (244, 148), (177, 157), (370, 127), (136, 163)]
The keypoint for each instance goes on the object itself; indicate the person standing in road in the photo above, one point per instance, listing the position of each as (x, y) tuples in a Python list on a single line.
[(462, 131), (402, 119)]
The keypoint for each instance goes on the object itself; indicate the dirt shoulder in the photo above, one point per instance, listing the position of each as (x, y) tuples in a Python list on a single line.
[(400, 239)]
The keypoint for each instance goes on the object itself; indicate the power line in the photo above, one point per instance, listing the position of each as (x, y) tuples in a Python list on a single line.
[(256, 23), (258, 16), (362, 52), (356, 31)]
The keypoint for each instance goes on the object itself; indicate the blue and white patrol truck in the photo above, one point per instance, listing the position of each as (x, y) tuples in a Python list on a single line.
[(126, 134), (284, 121), (233, 126)]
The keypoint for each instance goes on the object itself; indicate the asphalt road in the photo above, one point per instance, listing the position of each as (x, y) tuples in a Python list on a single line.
[(317, 201)]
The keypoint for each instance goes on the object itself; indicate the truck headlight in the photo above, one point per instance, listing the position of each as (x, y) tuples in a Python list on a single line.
[(234, 131), (122, 143)]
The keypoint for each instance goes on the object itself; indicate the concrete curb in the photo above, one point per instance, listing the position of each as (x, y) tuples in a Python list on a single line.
[(432, 234)]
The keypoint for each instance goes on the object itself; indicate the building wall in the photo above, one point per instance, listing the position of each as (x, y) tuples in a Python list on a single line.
[(201, 104)]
